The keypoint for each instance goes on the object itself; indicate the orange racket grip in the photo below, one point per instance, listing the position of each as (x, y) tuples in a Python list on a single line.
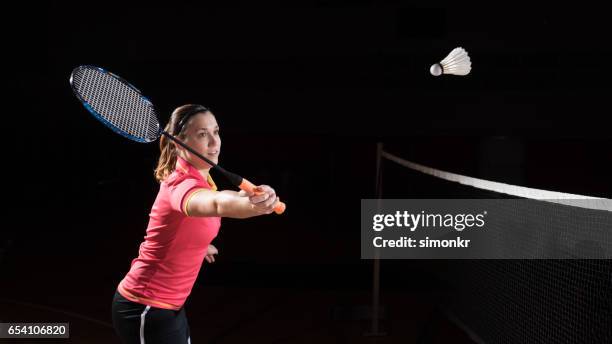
[(251, 188)]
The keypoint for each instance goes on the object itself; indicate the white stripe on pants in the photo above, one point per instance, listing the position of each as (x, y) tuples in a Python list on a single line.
[(142, 324)]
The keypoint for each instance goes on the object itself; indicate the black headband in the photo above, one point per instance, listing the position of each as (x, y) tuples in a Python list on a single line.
[(187, 116)]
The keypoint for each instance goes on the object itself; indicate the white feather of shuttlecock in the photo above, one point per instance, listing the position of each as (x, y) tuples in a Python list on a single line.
[(457, 62)]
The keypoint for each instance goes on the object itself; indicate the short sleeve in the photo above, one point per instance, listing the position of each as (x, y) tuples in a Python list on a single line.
[(180, 193)]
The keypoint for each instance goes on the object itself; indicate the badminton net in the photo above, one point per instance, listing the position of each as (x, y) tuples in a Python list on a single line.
[(514, 300)]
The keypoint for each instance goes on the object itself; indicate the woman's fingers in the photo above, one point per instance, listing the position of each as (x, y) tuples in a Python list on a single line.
[(270, 202), (210, 254), (264, 193), (259, 198)]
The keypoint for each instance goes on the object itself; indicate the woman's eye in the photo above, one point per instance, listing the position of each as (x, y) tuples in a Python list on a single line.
[(202, 134)]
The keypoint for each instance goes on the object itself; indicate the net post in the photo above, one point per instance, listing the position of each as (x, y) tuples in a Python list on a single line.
[(375, 328)]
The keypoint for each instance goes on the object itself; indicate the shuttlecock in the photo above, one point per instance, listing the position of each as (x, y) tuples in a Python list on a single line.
[(456, 63)]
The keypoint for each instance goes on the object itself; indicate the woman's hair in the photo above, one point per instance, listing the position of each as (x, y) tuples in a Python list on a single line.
[(178, 120)]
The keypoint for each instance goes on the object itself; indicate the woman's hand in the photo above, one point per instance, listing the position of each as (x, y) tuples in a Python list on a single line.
[(264, 199), (210, 254)]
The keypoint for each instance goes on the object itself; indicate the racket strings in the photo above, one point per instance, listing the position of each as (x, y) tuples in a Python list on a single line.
[(117, 103)]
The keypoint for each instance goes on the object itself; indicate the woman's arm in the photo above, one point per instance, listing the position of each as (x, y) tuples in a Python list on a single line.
[(231, 203)]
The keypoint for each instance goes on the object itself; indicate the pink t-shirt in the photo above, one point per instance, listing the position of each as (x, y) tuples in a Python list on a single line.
[(175, 245)]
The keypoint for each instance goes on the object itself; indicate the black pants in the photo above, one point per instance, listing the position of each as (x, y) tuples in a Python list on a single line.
[(140, 324)]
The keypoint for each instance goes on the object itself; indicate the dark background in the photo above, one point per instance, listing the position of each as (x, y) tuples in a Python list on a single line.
[(303, 92)]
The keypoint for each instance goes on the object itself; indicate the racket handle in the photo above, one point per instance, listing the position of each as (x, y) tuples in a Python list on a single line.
[(251, 188)]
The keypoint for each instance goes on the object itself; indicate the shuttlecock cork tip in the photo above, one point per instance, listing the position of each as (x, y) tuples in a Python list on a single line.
[(436, 69)]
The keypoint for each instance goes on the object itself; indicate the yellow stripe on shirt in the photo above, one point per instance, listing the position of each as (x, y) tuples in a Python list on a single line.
[(189, 197), (211, 182)]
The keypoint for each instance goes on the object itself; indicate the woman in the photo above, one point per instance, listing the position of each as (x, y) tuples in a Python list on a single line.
[(148, 306)]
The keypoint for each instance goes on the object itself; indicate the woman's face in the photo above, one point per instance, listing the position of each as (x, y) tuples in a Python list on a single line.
[(202, 134)]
